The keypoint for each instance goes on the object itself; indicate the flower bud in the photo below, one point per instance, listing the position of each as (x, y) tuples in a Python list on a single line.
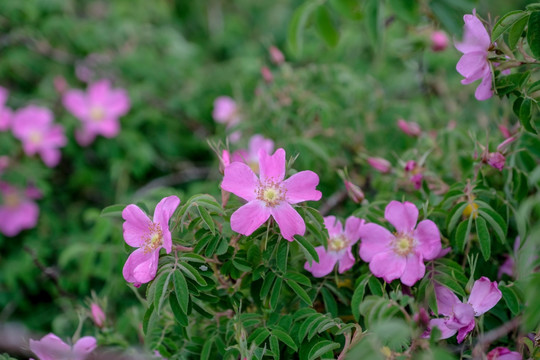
[(355, 193), (496, 160), (97, 315), (380, 164), (409, 127), (60, 84), (439, 40), (276, 55), (503, 147), (267, 75)]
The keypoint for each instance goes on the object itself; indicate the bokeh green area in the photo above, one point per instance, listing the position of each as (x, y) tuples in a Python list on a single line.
[(333, 107)]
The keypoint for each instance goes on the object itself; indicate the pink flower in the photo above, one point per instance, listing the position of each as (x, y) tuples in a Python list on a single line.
[(414, 171), (502, 353), (17, 210), (149, 236), (51, 347), (474, 63), (380, 164), (251, 156), (4, 163), (97, 315), (226, 111), (496, 160), (355, 193), (339, 247), (33, 125), (460, 316), (267, 74), (270, 194), (508, 267), (276, 55), (409, 127), (503, 147), (5, 113), (439, 40), (400, 255), (98, 109)]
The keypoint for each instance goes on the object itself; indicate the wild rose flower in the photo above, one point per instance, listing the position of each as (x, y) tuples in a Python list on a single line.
[(355, 193), (439, 41), (402, 254), (5, 112), (251, 156), (502, 353), (409, 127), (380, 164), (269, 194), (276, 55), (98, 109), (340, 244), (459, 317), (51, 347), (33, 125), (98, 316), (474, 63), (149, 236), (17, 210), (226, 111)]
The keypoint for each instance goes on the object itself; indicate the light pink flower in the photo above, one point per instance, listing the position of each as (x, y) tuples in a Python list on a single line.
[(276, 55), (97, 315), (474, 63), (226, 111), (459, 317), (267, 74), (269, 195), (409, 127), (380, 164), (355, 193), (400, 255), (251, 156), (98, 109), (17, 210), (33, 125), (502, 353), (5, 112), (439, 40), (51, 347), (340, 244), (149, 236)]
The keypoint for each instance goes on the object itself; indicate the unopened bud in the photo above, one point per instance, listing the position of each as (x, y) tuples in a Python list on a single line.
[(355, 193), (267, 74), (97, 315), (439, 40), (380, 164), (276, 55), (496, 160), (409, 127), (503, 147), (60, 84)]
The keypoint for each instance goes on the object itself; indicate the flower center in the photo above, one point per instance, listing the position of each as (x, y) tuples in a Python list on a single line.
[(338, 243), (154, 240), (271, 193), (35, 137), (97, 113), (404, 244)]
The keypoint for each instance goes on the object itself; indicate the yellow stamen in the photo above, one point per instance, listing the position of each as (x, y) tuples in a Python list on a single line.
[(271, 193), (154, 239), (338, 243), (404, 244), (97, 113)]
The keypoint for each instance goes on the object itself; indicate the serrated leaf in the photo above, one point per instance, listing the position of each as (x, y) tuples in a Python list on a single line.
[(325, 26), (298, 290), (510, 298), (483, 237), (375, 286), (321, 348), (516, 31), (533, 33), (505, 22), (181, 290), (307, 324), (284, 338)]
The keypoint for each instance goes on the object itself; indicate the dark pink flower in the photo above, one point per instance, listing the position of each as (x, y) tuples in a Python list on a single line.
[(51, 347), (409, 127), (339, 250), (502, 353), (459, 317), (251, 156), (98, 109), (149, 236), (355, 193), (97, 315), (33, 125), (380, 164), (496, 160), (474, 63), (439, 40), (402, 254), (276, 55), (5, 112), (17, 210), (269, 195)]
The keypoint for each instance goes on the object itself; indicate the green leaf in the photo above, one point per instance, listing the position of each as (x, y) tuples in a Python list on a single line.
[(298, 23), (282, 255), (274, 346), (298, 290), (510, 298), (276, 290), (299, 278), (207, 219), (113, 210), (358, 296), (329, 302), (455, 214), (533, 33), (181, 290), (497, 223), (516, 31), (462, 233), (375, 286), (406, 10), (267, 284), (505, 22), (450, 283), (207, 349), (534, 87), (258, 336), (325, 27), (533, 7), (321, 348), (284, 338), (525, 114), (192, 273), (179, 315), (348, 8), (373, 21), (241, 265), (483, 237), (162, 287), (309, 249)]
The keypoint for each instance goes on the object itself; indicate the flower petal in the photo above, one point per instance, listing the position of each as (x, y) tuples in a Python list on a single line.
[(464, 331), (484, 295), (475, 35), (414, 269), (352, 229), (289, 220), (75, 102), (333, 226), (324, 266), (136, 226), (249, 217), (302, 187), (429, 239), (346, 262), (375, 239), (483, 91), (83, 347), (272, 167), (240, 180), (387, 265), (446, 300), (162, 214), (258, 142), (141, 267), (50, 347), (441, 324), (402, 215), (472, 66)]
